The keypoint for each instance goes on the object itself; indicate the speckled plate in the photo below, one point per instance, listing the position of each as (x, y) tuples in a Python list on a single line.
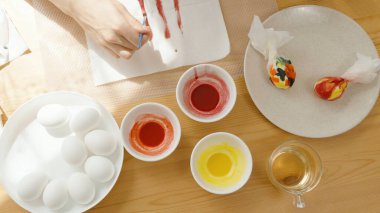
[(325, 44)]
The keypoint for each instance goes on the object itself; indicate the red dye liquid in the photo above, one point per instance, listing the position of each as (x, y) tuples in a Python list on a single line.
[(179, 19), (205, 97), (162, 14), (206, 94), (152, 134)]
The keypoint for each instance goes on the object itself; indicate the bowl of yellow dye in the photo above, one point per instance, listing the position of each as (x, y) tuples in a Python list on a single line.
[(221, 163)]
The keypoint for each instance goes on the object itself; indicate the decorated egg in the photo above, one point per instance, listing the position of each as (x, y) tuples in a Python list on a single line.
[(84, 120), (81, 188), (73, 151), (281, 73), (100, 142), (31, 186), (330, 88), (99, 169), (55, 195)]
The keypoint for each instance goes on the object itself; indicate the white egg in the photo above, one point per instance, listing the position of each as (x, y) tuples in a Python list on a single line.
[(73, 151), (55, 118), (99, 169), (55, 195), (81, 188), (100, 142), (31, 186), (84, 120)]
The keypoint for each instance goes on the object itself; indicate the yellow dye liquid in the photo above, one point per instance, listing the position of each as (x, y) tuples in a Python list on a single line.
[(221, 165)]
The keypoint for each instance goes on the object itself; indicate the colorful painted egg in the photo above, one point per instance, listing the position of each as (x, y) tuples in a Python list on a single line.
[(330, 88), (281, 73)]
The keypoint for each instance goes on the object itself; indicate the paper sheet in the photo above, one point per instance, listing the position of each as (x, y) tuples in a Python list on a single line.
[(16, 45), (204, 38)]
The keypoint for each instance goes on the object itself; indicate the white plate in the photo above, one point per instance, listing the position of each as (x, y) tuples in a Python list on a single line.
[(25, 146), (325, 44)]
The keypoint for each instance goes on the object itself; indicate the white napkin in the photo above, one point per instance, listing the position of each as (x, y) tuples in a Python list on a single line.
[(364, 70), (11, 43), (204, 39), (267, 41)]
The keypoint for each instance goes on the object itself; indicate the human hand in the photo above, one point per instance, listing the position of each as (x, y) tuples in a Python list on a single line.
[(108, 22)]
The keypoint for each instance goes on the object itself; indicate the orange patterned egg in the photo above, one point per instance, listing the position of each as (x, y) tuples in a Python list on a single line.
[(281, 73), (330, 88)]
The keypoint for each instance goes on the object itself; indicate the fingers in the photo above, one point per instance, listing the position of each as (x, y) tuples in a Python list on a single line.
[(118, 50), (122, 38), (147, 36), (127, 36), (132, 29), (113, 38)]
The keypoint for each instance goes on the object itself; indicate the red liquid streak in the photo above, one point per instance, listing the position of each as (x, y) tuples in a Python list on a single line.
[(205, 94), (142, 5), (179, 19), (151, 134), (162, 14)]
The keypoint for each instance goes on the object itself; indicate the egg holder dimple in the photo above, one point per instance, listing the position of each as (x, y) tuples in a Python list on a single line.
[(28, 147)]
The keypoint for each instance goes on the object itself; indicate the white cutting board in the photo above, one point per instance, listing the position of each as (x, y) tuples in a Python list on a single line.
[(204, 39)]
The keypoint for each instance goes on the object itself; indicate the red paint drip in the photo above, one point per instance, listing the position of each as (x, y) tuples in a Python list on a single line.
[(206, 94), (162, 14), (142, 6), (179, 19), (151, 134)]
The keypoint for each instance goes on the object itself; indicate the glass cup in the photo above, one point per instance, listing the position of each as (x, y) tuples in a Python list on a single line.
[(296, 168)]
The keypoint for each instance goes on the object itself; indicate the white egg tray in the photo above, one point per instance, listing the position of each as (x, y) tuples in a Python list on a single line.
[(26, 146)]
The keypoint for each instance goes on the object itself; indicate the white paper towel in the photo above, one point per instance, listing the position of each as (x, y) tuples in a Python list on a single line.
[(204, 39), (16, 45)]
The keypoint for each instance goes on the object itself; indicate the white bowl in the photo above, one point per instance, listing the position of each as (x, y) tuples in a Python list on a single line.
[(149, 108), (214, 139), (213, 69)]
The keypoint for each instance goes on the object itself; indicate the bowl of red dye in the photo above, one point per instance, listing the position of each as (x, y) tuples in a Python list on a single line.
[(206, 93), (150, 131)]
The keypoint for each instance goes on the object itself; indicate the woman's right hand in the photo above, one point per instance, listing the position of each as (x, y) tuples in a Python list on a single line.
[(108, 22)]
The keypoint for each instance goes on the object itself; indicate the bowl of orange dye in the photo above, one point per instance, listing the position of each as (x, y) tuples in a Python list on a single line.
[(206, 93), (221, 163), (150, 132)]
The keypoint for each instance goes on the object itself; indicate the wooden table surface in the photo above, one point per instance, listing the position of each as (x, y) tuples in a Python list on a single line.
[(351, 180)]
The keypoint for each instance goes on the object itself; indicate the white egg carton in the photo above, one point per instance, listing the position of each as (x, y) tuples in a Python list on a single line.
[(60, 152)]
